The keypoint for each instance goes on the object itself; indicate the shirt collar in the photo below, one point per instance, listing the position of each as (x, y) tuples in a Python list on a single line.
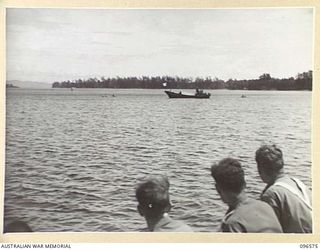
[(279, 176)]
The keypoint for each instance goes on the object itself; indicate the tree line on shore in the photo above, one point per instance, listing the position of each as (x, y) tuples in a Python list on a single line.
[(303, 81)]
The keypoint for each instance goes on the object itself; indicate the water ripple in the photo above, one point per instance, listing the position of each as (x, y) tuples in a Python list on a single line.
[(73, 159)]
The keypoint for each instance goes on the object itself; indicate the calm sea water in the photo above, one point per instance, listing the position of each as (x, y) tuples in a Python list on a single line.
[(73, 158)]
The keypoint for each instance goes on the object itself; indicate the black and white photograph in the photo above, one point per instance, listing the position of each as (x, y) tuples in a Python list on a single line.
[(159, 120)]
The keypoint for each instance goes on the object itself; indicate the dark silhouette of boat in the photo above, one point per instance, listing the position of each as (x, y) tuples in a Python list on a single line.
[(199, 94)]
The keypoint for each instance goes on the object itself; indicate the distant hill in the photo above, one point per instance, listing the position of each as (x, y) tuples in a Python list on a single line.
[(11, 86), (30, 84)]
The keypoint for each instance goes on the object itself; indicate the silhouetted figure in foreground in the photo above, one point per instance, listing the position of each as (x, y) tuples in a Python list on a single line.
[(288, 196), (17, 227), (245, 215), (154, 205)]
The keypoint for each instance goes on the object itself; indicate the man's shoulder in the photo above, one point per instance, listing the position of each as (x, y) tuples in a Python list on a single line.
[(232, 222), (167, 224), (241, 218), (278, 186), (176, 226), (182, 227), (243, 210), (283, 185), (253, 206), (252, 216)]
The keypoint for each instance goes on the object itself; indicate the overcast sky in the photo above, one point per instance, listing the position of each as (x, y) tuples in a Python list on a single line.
[(64, 44)]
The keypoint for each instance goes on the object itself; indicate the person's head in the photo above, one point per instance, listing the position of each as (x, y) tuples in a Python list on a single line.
[(229, 177), (269, 162), (153, 197)]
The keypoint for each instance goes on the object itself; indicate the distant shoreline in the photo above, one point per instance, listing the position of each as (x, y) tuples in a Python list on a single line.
[(75, 88), (12, 86), (303, 81)]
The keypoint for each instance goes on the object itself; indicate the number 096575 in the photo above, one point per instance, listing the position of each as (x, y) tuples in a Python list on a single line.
[(309, 246)]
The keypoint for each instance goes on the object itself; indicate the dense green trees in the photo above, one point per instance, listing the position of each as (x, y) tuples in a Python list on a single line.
[(303, 81)]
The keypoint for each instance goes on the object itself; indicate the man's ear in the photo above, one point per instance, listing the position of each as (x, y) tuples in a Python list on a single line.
[(140, 210)]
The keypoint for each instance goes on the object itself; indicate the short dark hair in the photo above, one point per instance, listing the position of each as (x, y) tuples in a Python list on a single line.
[(269, 157), (153, 193), (229, 175)]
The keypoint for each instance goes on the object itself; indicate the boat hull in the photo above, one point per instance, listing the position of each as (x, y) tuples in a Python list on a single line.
[(180, 95)]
